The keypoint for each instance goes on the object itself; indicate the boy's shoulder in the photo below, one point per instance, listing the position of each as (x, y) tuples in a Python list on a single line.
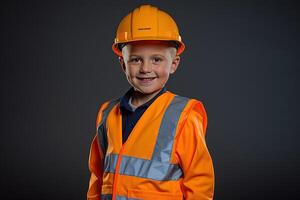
[(195, 109), (193, 102), (104, 109)]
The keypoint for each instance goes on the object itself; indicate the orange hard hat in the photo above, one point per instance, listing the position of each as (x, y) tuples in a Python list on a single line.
[(147, 23)]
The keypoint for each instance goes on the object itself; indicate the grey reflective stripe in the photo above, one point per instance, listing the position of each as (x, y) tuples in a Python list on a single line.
[(102, 137), (110, 163), (165, 138), (106, 197), (125, 198), (109, 197), (151, 169)]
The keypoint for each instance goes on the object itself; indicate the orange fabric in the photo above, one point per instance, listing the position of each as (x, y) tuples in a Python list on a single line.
[(137, 145), (96, 158), (131, 183), (96, 169), (194, 159), (189, 151)]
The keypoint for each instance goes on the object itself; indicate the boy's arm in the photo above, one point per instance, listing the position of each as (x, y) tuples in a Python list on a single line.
[(96, 160), (96, 169), (193, 156)]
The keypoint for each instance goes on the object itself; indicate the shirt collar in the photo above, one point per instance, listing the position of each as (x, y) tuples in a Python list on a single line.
[(124, 102)]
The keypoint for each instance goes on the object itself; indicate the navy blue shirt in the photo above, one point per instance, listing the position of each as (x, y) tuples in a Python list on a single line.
[(130, 116)]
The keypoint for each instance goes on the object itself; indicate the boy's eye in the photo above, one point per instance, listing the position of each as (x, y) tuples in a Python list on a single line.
[(157, 59), (135, 60)]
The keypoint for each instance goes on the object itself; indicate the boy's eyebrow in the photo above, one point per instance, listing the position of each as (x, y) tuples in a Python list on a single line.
[(152, 55), (133, 55), (157, 55)]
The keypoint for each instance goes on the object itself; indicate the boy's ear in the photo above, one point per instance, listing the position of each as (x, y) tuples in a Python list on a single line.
[(175, 63), (121, 60)]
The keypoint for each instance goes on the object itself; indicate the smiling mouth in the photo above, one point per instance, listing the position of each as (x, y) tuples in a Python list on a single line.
[(146, 78)]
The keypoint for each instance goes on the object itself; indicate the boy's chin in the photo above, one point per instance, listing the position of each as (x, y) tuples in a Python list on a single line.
[(146, 91)]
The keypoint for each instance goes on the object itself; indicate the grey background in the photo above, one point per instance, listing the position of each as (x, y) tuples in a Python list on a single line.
[(57, 67)]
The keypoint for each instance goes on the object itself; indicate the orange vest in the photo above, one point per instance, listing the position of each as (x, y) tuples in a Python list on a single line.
[(149, 164)]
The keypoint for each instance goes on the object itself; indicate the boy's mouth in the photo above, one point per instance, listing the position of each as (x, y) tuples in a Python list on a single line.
[(146, 78)]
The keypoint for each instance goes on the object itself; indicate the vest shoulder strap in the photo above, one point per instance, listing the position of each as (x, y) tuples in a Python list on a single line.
[(165, 139), (101, 126)]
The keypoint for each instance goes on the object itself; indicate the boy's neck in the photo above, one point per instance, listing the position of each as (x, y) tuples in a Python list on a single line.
[(139, 98)]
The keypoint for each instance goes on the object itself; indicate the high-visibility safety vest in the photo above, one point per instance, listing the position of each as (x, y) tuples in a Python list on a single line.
[(164, 157)]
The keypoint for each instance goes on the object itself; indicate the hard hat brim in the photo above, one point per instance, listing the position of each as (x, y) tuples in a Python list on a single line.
[(118, 51)]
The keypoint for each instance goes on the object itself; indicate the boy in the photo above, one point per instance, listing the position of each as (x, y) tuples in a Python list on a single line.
[(150, 144)]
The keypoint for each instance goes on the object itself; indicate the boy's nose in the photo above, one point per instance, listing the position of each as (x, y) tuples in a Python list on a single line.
[(145, 67)]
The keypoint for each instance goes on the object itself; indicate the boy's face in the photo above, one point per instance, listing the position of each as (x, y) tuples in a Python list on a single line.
[(148, 64)]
